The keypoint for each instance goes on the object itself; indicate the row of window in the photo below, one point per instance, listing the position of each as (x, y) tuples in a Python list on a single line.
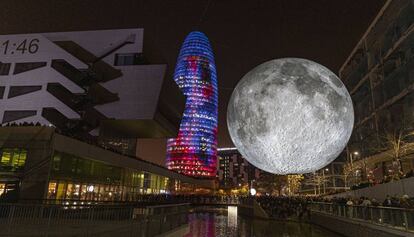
[(396, 81), (113, 182), (68, 190), (15, 91), (68, 166), (123, 59), (379, 46), (20, 67), (365, 137)]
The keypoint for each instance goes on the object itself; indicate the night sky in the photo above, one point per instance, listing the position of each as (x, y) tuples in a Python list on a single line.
[(243, 34)]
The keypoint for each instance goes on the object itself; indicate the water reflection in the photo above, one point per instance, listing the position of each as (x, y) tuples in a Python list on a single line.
[(213, 224)]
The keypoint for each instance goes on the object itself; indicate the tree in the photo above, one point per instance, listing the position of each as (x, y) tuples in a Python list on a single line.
[(293, 183), (271, 183), (316, 180), (350, 172), (397, 144)]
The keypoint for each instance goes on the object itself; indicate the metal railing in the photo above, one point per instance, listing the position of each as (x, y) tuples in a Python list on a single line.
[(90, 220), (398, 218), (146, 200)]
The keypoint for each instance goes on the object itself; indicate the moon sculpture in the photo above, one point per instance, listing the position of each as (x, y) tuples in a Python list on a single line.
[(290, 115)]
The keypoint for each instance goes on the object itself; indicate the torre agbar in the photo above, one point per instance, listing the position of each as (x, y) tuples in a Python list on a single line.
[(194, 151)]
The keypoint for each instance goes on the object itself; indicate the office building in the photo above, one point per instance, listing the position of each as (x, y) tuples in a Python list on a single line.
[(39, 163), (194, 151), (234, 171), (379, 74), (72, 106)]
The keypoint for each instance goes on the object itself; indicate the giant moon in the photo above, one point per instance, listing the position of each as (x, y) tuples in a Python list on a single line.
[(290, 116)]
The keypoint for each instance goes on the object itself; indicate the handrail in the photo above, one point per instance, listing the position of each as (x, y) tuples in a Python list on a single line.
[(53, 220), (169, 205), (371, 206), (390, 217)]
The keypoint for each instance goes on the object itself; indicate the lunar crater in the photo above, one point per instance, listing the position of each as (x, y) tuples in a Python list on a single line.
[(290, 116)]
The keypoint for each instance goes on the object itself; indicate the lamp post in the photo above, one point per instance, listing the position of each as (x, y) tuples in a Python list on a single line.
[(324, 180), (351, 159), (251, 187)]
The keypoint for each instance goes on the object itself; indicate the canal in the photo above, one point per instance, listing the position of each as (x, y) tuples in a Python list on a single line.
[(220, 223)]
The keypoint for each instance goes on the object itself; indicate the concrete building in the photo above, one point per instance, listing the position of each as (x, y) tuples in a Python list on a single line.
[(234, 171), (87, 84), (379, 74)]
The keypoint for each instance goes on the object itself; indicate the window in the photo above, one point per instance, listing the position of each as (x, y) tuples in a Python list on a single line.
[(51, 193), (10, 116), (69, 166), (125, 59), (2, 188), (21, 90), (56, 162), (2, 92), (13, 159), (5, 158), (4, 69), (24, 67)]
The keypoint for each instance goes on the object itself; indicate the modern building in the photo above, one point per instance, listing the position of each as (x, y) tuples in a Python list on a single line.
[(194, 151), (379, 74), (234, 171), (72, 106), (39, 163), (95, 85)]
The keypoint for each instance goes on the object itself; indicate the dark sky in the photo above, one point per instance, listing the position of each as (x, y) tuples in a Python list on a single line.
[(243, 34)]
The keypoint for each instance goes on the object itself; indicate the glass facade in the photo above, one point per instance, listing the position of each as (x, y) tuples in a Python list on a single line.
[(12, 159), (379, 74), (194, 151), (76, 178)]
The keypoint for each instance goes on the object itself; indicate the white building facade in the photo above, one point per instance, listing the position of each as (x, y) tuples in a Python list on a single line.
[(83, 82)]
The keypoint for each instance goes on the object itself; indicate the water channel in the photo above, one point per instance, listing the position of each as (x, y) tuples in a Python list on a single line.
[(229, 224)]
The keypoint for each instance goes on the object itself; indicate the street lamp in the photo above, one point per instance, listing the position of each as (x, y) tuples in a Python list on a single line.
[(251, 184), (351, 156), (323, 180)]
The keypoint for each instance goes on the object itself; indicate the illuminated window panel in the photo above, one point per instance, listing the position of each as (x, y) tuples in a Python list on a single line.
[(195, 148), (12, 159)]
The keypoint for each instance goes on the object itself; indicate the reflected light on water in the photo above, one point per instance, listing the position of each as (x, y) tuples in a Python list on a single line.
[(225, 222), (232, 217)]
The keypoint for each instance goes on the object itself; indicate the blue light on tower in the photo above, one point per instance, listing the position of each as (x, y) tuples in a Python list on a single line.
[(194, 151)]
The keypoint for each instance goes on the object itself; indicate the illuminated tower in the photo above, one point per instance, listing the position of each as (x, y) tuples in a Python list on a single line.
[(194, 151)]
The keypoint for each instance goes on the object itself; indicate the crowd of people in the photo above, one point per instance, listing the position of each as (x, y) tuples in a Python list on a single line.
[(285, 207), (386, 179), (23, 124), (403, 201)]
